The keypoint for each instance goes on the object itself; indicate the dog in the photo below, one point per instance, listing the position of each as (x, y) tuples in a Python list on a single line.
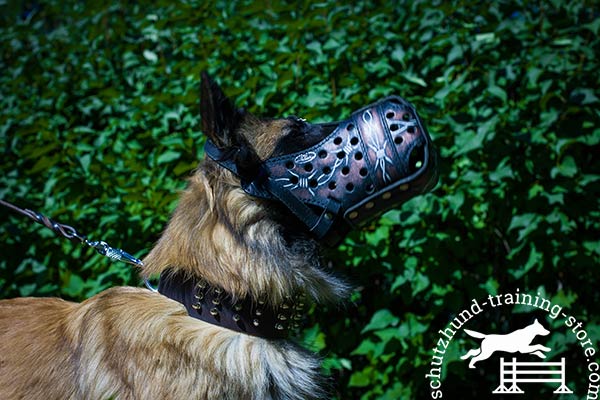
[(517, 341), (238, 261)]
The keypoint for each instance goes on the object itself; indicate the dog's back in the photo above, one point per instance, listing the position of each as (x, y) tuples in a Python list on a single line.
[(129, 343), (33, 337)]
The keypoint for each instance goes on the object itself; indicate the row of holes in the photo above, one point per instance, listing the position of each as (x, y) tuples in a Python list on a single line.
[(354, 141), (313, 183), (308, 167)]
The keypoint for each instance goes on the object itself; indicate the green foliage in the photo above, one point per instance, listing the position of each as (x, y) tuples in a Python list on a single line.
[(99, 128)]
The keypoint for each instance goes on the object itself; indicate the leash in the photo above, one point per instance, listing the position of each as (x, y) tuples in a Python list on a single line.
[(71, 233)]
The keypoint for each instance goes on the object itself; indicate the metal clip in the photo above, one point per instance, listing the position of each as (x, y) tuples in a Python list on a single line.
[(114, 254)]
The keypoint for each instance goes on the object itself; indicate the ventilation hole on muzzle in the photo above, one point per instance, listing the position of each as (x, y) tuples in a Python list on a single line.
[(406, 116), (398, 140), (370, 188), (341, 154), (313, 183), (393, 127), (326, 170), (308, 167), (294, 180), (363, 172), (416, 158), (289, 165), (390, 114), (410, 129), (322, 154), (337, 141), (358, 156), (332, 185), (354, 141), (350, 127), (345, 171), (350, 186)]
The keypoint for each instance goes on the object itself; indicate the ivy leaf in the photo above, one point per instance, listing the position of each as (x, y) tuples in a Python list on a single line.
[(168, 156), (381, 319), (150, 56)]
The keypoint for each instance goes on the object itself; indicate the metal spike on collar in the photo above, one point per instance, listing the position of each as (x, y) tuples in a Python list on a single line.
[(258, 317)]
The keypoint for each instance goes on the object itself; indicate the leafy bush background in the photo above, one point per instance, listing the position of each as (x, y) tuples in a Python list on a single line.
[(99, 128)]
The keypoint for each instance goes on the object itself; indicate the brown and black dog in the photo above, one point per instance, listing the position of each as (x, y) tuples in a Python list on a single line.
[(237, 249)]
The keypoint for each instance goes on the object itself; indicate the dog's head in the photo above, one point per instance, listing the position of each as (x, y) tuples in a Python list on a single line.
[(331, 177), (539, 328), (270, 190)]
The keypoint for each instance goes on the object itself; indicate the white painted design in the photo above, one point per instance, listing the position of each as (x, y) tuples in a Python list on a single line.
[(302, 182), (403, 125), (379, 148), (305, 157)]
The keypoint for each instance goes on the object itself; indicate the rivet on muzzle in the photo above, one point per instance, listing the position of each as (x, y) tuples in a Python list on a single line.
[(374, 161)]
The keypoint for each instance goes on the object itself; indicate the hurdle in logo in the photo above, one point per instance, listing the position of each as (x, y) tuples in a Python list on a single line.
[(510, 373)]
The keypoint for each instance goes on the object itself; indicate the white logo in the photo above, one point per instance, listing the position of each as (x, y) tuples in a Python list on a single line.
[(304, 158), (511, 373), (523, 342), (517, 341)]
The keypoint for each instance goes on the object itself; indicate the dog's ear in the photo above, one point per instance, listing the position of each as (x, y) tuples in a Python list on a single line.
[(220, 117)]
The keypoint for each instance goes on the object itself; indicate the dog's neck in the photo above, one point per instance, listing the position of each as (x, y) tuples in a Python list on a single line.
[(220, 235), (215, 306)]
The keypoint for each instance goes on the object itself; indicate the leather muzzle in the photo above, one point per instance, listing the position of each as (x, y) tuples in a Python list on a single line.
[(372, 162)]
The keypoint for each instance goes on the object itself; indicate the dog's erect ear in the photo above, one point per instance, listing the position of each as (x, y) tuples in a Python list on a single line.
[(220, 117)]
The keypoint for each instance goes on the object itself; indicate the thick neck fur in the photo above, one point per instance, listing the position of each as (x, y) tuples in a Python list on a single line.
[(230, 239)]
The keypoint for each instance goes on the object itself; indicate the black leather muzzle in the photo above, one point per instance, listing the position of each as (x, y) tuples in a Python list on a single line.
[(372, 162)]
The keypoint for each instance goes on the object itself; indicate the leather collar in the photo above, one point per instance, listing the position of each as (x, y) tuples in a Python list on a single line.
[(213, 305)]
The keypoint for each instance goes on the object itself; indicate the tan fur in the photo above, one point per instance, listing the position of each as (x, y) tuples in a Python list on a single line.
[(130, 343), (226, 236)]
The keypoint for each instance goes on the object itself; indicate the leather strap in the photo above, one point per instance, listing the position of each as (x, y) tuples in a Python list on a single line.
[(213, 305)]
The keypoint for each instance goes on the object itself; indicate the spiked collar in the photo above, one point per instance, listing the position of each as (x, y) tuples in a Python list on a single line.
[(213, 305)]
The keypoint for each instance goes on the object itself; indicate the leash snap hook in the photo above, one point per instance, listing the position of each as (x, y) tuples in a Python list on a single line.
[(114, 254)]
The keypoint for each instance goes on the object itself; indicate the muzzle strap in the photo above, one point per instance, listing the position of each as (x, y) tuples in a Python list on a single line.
[(318, 224), (225, 158)]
